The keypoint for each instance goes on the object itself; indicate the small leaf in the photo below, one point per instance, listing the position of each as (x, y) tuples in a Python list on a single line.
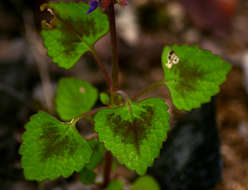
[(52, 149), (87, 176), (70, 33), (134, 134), (115, 185), (145, 183), (105, 99), (192, 75), (74, 97), (97, 155)]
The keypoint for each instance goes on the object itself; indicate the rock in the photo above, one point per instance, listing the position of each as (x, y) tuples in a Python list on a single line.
[(190, 158)]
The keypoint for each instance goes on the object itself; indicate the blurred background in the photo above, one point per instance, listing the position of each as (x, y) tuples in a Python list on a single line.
[(218, 160)]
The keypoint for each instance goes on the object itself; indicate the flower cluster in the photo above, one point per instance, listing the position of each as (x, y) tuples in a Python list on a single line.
[(103, 3)]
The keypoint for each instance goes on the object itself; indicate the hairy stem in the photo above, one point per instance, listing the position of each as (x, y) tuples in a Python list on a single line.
[(126, 99), (115, 65), (148, 89), (103, 69), (107, 168), (123, 95), (91, 112), (115, 84)]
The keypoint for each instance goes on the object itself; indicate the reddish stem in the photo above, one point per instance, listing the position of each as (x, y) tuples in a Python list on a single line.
[(107, 169), (115, 84), (102, 67), (148, 89), (115, 65)]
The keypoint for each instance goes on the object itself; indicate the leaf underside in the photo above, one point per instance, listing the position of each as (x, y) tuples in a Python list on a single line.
[(195, 78), (134, 137), (74, 97), (70, 32), (52, 149)]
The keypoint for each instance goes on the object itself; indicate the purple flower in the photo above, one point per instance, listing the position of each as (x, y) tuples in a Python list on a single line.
[(93, 6)]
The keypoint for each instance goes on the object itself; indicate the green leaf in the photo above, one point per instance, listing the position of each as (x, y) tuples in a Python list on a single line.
[(52, 149), (145, 183), (96, 157), (87, 176), (74, 97), (105, 99), (134, 134), (70, 32), (115, 185), (195, 78)]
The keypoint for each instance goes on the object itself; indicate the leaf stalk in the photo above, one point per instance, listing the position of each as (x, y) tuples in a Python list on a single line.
[(148, 89), (102, 67), (91, 112)]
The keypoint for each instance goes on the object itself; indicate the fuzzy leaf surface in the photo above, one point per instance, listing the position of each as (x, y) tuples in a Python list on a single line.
[(74, 97), (70, 32), (134, 134), (195, 78), (51, 149)]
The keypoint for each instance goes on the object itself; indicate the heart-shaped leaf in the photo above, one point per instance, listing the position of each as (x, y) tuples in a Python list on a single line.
[(52, 149), (68, 32), (134, 133), (192, 75), (74, 97)]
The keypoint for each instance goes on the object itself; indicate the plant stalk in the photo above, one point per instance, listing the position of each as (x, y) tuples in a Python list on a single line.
[(115, 84), (102, 67), (115, 65), (148, 89), (107, 168), (91, 112)]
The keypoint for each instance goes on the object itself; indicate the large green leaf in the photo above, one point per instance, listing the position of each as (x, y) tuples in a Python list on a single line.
[(52, 149), (195, 78), (134, 133), (74, 97), (71, 33)]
